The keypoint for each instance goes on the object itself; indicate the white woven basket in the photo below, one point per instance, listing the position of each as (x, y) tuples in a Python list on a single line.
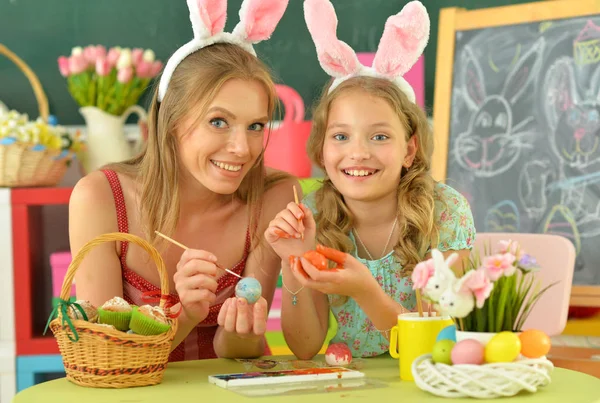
[(481, 381)]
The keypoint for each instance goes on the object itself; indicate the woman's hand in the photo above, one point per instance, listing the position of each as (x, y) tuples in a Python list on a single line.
[(196, 283), (237, 316), (286, 230), (349, 277)]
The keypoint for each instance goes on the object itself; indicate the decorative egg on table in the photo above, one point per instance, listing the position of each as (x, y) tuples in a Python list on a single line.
[(468, 351), (338, 355), (248, 288), (534, 343)]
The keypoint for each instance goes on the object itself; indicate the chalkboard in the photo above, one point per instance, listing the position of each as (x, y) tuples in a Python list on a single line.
[(524, 130), (41, 30)]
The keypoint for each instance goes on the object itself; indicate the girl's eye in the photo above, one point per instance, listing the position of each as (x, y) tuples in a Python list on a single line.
[(257, 127), (380, 137), (218, 123), (340, 137)]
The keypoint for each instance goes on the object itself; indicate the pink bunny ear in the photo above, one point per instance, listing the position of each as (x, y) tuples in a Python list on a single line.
[(403, 41), (207, 16), (259, 18), (336, 57)]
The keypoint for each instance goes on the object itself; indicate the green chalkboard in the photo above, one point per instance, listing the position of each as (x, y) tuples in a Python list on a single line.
[(41, 30)]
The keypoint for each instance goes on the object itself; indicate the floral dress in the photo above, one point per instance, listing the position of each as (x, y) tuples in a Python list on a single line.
[(457, 232)]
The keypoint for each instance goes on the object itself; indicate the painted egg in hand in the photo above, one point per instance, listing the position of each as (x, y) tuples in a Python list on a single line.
[(248, 288), (338, 354)]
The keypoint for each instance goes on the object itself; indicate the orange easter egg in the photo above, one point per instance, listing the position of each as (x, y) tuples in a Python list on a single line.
[(534, 343)]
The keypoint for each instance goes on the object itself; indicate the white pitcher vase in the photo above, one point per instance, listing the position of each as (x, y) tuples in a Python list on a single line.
[(105, 137)]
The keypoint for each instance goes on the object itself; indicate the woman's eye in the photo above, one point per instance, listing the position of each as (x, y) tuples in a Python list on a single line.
[(257, 127), (340, 137), (380, 137), (218, 123)]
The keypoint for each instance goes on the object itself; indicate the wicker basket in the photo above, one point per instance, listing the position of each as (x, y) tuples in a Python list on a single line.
[(20, 164), (481, 381), (107, 358)]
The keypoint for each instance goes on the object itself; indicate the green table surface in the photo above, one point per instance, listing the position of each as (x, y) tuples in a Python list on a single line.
[(187, 382)]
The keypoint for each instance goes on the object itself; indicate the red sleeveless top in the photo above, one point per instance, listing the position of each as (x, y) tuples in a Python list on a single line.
[(199, 343)]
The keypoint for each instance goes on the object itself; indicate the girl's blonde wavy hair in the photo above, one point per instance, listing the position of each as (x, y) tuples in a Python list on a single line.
[(418, 229), (193, 86)]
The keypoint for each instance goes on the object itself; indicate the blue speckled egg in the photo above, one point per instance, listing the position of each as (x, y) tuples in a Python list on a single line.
[(248, 288)]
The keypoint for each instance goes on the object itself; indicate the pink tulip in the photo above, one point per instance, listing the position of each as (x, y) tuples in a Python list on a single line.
[(137, 55), (100, 52), (125, 75), (156, 68), (89, 53), (113, 57), (498, 265), (63, 66), (102, 66), (510, 246), (479, 284), (77, 64), (143, 69), (421, 274)]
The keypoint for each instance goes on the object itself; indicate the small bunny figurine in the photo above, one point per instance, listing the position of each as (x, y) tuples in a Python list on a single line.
[(443, 276), (457, 301)]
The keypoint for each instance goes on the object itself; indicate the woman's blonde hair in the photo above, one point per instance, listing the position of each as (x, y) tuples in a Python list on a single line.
[(416, 223), (193, 86)]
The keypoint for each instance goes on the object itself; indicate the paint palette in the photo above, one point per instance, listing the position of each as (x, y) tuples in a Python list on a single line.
[(284, 377)]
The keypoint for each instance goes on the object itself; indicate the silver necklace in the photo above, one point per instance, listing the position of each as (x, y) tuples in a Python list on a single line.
[(386, 244)]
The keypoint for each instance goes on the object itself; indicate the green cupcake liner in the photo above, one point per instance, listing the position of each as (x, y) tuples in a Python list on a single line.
[(120, 320), (141, 324)]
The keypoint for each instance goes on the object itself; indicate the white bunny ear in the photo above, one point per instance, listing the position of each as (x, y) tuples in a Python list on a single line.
[(336, 57), (207, 17), (259, 18), (403, 41)]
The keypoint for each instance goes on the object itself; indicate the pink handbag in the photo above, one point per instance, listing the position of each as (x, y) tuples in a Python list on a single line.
[(286, 145)]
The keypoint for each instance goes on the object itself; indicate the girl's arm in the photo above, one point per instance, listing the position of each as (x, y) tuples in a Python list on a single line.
[(99, 278), (305, 323)]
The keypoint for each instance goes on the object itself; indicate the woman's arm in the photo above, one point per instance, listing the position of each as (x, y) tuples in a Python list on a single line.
[(264, 265), (99, 278)]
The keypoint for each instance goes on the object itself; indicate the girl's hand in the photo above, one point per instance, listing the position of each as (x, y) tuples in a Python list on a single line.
[(195, 282), (285, 231), (237, 316), (348, 278)]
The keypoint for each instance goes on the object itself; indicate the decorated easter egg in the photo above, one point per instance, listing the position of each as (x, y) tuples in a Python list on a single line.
[(338, 354), (442, 351), (534, 343), (447, 333), (468, 351), (503, 347), (248, 288)]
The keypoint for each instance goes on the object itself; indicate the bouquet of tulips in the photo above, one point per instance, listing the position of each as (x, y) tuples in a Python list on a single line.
[(496, 292), (111, 80)]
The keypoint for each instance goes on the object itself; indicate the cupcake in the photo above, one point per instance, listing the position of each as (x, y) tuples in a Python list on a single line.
[(149, 320), (91, 313), (116, 312)]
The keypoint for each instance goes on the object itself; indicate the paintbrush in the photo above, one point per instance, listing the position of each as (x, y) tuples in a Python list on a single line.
[(182, 246), (298, 203)]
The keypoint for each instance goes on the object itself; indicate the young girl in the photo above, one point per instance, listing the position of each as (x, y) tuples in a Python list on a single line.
[(378, 202), (200, 180)]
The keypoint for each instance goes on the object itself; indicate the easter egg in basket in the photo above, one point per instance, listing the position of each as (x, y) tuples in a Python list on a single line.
[(248, 288), (534, 343), (503, 347)]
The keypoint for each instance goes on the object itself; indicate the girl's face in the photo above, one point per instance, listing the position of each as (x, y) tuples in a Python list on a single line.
[(220, 150), (365, 147)]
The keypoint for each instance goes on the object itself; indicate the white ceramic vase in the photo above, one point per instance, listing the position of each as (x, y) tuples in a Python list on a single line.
[(105, 137)]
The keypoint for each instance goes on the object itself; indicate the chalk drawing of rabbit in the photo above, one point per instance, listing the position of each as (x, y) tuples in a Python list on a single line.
[(493, 142)]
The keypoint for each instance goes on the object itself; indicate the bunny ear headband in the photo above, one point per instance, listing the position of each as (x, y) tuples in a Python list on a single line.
[(402, 43), (258, 19)]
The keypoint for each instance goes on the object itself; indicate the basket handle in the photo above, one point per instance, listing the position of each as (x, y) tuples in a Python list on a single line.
[(110, 237), (42, 100)]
